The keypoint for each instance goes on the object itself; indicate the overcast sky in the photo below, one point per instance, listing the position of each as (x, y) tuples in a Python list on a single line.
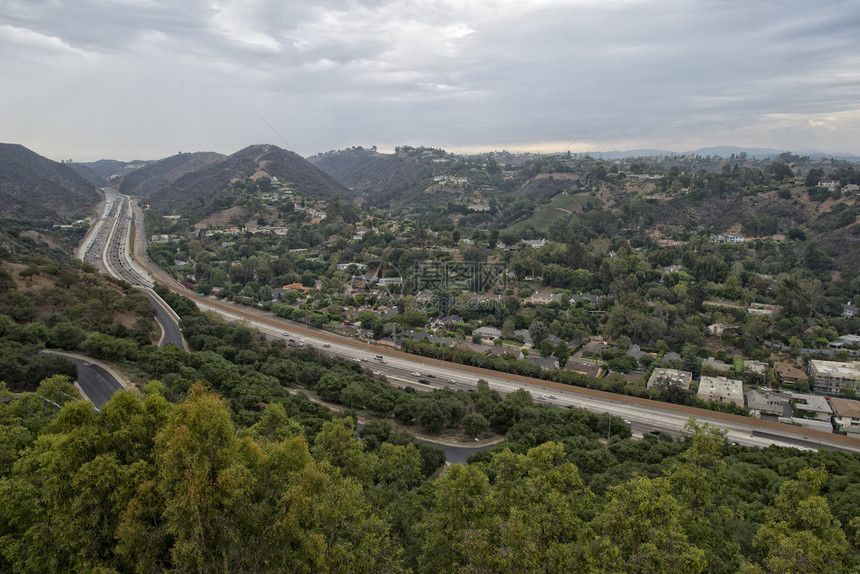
[(144, 79)]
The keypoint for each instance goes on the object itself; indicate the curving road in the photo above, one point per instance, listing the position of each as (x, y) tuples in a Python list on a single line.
[(96, 382), (402, 369)]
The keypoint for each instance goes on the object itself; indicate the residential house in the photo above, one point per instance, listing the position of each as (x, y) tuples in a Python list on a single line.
[(545, 363), (445, 321), (587, 369), (298, 287), (543, 298), (788, 374), (535, 242), (721, 390), (846, 413), (718, 366), (491, 333), (717, 329), (727, 238), (586, 298), (761, 309), (812, 407), (635, 351), (756, 367), (768, 403), (849, 310)]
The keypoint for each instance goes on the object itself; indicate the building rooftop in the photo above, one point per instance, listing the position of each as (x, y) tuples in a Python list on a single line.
[(665, 378), (845, 408), (811, 403)]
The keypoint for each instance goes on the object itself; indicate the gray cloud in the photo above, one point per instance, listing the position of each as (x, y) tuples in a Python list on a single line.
[(146, 78)]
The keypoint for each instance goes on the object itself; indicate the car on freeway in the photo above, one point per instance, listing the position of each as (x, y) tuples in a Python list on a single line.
[(431, 375), (416, 374), (285, 334), (553, 397), (326, 345), (451, 381), (627, 422), (424, 381), (541, 397)]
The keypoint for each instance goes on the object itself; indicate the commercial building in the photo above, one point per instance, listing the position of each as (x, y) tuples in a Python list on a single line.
[(666, 378), (832, 377)]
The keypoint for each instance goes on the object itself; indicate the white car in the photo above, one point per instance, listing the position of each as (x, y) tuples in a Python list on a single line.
[(415, 374)]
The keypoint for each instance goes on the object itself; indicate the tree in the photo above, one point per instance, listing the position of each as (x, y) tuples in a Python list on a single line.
[(799, 533), (562, 353), (538, 332), (642, 530), (546, 348), (475, 424)]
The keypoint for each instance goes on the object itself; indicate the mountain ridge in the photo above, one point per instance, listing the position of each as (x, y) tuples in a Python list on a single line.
[(35, 187)]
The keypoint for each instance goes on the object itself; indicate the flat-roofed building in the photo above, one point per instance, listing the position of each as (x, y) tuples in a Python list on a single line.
[(768, 403), (721, 390), (832, 377), (667, 378), (812, 407)]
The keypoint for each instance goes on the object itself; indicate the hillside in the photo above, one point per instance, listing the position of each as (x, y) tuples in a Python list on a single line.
[(151, 178), (377, 173), (34, 187), (104, 170), (206, 190)]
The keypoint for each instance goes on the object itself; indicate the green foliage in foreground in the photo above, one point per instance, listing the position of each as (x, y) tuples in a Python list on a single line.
[(150, 486)]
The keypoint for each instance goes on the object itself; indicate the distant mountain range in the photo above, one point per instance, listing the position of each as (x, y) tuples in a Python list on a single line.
[(718, 151), (36, 188)]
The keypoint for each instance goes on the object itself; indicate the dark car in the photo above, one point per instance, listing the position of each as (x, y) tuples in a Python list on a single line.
[(424, 381)]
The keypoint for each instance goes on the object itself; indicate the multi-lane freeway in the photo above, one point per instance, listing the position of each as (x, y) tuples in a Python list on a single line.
[(117, 241), (108, 245)]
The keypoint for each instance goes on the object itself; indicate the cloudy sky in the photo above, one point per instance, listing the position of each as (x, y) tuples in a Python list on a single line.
[(126, 79)]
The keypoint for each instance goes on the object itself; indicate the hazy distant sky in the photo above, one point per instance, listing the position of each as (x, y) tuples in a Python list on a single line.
[(126, 79)]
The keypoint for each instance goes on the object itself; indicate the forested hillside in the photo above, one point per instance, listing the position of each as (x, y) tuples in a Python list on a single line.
[(36, 188), (210, 187)]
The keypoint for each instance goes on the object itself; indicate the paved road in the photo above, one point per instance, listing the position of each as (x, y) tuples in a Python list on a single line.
[(108, 245), (95, 381), (170, 333)]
